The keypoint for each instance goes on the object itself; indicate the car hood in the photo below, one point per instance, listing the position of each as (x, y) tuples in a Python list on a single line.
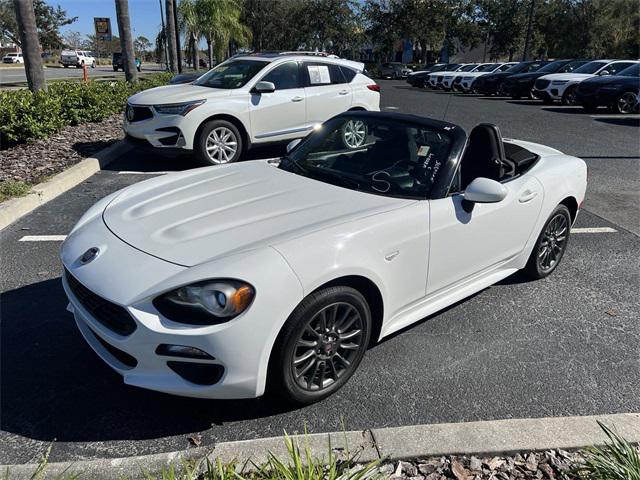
[(497, 76), (176, 94), (192, 217), (568, 76)]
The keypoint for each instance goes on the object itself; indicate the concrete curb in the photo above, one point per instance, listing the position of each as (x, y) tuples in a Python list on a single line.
[(14, 208), (416, 441)]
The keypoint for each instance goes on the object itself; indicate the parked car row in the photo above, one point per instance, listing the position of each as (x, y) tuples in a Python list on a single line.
[(614, 84), (247, 101)]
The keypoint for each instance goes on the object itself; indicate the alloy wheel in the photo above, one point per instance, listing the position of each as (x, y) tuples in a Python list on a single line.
[(627, 102), (354, 133), (221, 145), (553, 242), (328, 346)]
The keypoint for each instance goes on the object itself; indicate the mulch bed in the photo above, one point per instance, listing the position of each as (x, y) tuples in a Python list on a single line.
[(32, 162)]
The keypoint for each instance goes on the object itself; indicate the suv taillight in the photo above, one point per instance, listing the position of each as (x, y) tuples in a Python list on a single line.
[(374, 87)]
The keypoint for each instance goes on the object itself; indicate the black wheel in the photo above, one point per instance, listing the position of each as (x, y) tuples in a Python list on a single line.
[(93, 64), (569, 96), (138, 68), (551, 244), (501, 90), (626, 102), (219, 142), (320, 345), (65, 66), (115, 69)]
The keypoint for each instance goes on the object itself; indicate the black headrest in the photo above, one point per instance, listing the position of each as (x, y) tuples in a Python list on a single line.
[(489, 135)]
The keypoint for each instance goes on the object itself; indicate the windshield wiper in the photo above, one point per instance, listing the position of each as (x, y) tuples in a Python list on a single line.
[(287, 162)]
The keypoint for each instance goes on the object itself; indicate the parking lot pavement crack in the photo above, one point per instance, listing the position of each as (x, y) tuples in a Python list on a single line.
[(374, 443)]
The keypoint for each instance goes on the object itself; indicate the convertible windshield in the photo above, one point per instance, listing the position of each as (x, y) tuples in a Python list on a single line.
[(233, 74), (374, 155)]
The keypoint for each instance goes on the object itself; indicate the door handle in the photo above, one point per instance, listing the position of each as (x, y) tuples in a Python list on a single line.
[(343, 92), (527, 196), (297, 99)]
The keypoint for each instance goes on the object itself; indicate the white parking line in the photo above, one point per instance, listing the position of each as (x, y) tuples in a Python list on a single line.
[(60, 238), (392, 108), (594, 230), (43, 238)]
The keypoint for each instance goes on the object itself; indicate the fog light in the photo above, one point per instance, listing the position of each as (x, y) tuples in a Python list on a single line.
[(183, 351)]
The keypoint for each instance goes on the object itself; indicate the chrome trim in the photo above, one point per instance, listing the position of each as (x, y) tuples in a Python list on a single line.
[(284, 132)]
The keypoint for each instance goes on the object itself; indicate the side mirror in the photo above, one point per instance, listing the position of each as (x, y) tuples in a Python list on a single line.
[(483, 190), (604, 73), (293, 144), (264, 87)]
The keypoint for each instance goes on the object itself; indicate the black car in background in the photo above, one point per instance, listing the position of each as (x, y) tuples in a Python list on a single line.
[(417, 79), (491, 84), (520, 84), (117, 63), (618, 92)]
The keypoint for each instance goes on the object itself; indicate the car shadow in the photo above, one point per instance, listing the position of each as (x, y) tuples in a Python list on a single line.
[(568, 110), (626, 122), (525, 102), (55, 387), (89, 149)]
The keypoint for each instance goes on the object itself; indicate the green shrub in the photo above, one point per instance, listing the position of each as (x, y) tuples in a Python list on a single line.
[(12, 188), (27, 116)]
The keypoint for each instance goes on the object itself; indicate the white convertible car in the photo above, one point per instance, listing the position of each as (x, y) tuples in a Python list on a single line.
[(276, 275)]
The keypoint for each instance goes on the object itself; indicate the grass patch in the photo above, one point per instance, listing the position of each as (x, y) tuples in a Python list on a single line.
[(12, 188)]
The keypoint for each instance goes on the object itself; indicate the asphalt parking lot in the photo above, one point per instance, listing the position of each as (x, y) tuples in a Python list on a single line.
[(565, 345)]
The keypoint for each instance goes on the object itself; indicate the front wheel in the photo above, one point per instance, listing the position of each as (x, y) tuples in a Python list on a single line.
[(93, 64), (569, 97), (320, 346), (219, 142), (551, 244), (626, 103)]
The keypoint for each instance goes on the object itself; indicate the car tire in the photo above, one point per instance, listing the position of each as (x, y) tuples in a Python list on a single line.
[(65, 66), (115, 69), (211, 136), (346, 316), (569, 96), (625, 103), (550, 245), (93, 64), (138, 68)]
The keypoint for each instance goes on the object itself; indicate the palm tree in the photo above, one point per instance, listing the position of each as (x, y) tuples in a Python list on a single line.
[(126, 41), (26, 19), (190, 23), (171, 36), (219, 24)]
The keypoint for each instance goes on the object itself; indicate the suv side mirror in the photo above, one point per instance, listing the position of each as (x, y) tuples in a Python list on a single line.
[(293, 144), (483, 190), (264, 87), (604, 73)]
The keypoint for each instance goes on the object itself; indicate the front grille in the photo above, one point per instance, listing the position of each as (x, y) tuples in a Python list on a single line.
[(439, 79), (112, 316), (458, 80), (542, 84), (137, 114), (122, 357)]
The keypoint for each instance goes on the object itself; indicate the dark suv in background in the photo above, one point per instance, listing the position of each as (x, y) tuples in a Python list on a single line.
[(521, 84), (617, 92), (116, 62)]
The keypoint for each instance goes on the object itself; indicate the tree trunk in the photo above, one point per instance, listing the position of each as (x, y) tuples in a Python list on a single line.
[(126, 41), (171, 36), (196, 60), (26, 19), (210, 51)]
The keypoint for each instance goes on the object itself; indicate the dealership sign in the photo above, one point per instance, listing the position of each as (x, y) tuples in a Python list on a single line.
[(103, 28)]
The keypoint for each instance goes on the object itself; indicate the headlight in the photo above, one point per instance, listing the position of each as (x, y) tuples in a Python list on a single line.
[(206, 303), (177, 108)]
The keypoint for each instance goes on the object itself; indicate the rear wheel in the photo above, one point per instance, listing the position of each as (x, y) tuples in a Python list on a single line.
[(219, 142), (569, 96), (115, 69), (551, 244), (320, 346), (93, 64), (626, 102)]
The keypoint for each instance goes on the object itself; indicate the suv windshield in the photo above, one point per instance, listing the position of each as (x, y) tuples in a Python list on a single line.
[(232, 74), (487, 68), (467, 68), (374, 155), (632, 71), (591, 67)]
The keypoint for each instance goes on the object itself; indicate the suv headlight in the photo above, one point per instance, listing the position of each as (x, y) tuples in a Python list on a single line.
[(177, 108), (206, 303)]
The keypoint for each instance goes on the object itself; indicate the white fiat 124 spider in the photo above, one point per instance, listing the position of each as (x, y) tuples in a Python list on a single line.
[(276, 275)]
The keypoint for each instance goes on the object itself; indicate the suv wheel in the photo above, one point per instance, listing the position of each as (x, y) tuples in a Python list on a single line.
[(93, 64), (219, 142)]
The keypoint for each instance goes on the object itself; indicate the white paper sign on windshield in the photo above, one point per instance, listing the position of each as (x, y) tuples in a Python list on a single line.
[(318, 74)]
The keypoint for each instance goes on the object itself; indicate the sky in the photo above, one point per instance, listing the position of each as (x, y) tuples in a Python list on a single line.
[(144, 14)]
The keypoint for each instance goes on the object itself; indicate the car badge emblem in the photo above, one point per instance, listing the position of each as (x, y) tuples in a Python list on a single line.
[(89, 255), (130, 113)]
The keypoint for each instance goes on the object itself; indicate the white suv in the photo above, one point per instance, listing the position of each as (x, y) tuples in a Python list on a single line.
[(13, 58), (563, 86), (249, 100), (77, 58)]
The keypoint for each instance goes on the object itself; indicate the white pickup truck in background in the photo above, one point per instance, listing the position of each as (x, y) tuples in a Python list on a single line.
[(77, 58)]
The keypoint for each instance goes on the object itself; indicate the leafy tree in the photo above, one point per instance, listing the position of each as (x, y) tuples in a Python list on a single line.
[(505, 23), (142, 45), (220, 23), (189, 24), (48, 20), (73, 39)]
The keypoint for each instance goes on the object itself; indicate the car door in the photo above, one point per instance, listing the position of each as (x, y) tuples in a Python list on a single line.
[(464, 245), (328, 93), (279, 115)]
